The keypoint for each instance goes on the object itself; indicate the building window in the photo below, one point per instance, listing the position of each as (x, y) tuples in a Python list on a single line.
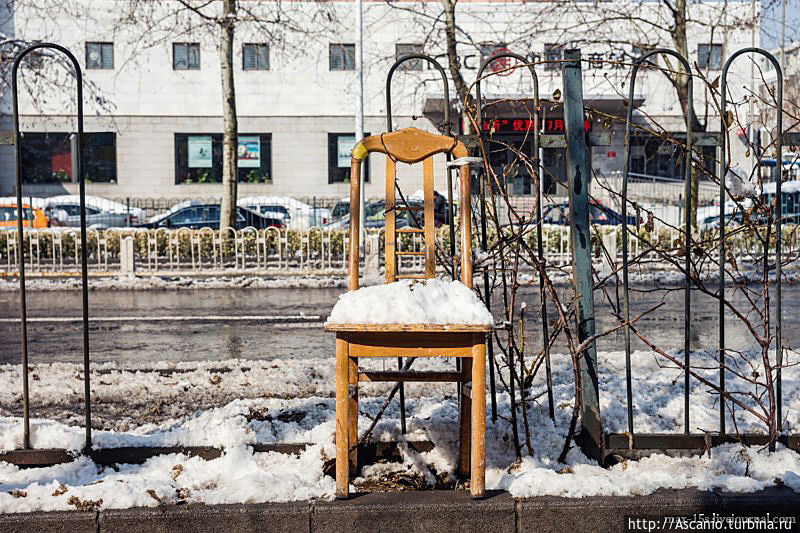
[(255, 57), (185, 56), (401, 50), (198, 158), (48, 157), (654, 157), (100, 55), (553, 53), (342, 57), (339, 147), (709, 56), (640, 50)]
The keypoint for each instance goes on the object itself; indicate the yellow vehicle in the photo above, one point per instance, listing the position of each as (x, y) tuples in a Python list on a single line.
[(31, 218)]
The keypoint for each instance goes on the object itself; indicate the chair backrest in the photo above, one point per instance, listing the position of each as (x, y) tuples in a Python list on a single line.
[(411, 146)]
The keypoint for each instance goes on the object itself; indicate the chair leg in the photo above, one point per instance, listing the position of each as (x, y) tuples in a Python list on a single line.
[(478, 474), (353, 410), (342, 419), (464, 416)]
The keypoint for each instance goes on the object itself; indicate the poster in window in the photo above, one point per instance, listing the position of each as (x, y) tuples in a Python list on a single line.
[(199, 152), (344, 145), (249, 151)]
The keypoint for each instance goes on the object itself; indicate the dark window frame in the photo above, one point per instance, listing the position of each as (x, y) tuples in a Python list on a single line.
[(103, 45), (338, 174), (256, 47), (189, 46), (344, 48), (40, 146), (553, 52), (412, 64), (185, 175), (704, 59)]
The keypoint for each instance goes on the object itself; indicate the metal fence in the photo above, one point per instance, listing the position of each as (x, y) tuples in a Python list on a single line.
[(316, 250)]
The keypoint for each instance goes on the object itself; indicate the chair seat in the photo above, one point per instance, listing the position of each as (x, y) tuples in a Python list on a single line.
[(419, 328)]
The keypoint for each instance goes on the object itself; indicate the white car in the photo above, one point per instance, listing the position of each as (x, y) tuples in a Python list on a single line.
[(296, 214), (101, 213)]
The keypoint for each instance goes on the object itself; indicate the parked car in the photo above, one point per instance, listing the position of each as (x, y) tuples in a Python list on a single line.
[(271, 211), (301, 215), (375, 212), (375, 217), (31, 217), (601, 215), (196, 215), (65, 210)]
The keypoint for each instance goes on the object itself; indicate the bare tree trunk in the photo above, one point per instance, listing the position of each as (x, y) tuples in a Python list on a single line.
[(681, 83), (230, 137), (452, 61)]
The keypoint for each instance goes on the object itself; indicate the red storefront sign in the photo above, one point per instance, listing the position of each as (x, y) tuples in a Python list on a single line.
[(523, 125)]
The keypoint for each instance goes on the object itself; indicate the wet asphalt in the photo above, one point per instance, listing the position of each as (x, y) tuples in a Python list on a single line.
[(219, 324)]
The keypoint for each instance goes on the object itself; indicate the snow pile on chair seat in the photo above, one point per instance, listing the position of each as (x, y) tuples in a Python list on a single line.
[(430, 301)]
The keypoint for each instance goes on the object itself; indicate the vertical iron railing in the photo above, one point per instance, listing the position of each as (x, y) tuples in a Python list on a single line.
[(84, 242), (449, 127), (724, 167), (687, 232), (540, 247)]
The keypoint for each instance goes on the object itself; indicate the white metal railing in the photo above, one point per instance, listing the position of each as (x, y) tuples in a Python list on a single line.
[(317, 249)]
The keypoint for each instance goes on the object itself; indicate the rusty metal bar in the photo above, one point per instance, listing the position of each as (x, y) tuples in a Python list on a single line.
[(388, 450)]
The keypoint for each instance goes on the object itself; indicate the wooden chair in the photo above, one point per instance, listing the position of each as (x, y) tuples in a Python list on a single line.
[(354, 341)]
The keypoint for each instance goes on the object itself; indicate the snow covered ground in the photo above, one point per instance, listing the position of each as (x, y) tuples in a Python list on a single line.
[(647, 274), (175, 282), (234, 403)]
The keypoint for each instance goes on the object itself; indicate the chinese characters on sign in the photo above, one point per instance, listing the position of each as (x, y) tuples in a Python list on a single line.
[(614, 60), (523, 125)]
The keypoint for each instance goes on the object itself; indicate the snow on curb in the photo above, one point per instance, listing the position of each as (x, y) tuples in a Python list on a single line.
[(177, 282), (170, 281)]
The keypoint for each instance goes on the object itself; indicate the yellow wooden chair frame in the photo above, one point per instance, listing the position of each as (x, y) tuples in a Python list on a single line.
[(354, 341)]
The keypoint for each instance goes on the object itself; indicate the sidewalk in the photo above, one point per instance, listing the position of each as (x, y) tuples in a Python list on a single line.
[(427, 511)]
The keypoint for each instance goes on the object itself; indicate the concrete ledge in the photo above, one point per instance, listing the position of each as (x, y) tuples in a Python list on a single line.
[(428, 511), (425, 511), (277, 517), (52, 522)]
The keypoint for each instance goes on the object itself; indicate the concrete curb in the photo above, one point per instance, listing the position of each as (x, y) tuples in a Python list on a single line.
[(428, 511)]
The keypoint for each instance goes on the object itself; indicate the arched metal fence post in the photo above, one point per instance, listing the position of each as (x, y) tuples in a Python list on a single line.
[(688, 232), (84, 241), (540, 248), (449, 126), (724, 167)]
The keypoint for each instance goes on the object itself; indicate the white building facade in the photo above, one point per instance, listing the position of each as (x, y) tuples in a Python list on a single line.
[(153, 101)]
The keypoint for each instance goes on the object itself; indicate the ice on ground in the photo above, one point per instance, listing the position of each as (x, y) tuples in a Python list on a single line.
[(233, 409), (432, 301)]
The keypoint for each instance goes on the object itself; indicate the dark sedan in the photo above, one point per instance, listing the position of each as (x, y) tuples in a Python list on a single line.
[(601, 215), (196, 216)]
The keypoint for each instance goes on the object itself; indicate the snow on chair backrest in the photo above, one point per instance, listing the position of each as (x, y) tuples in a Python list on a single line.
[(409, 145)]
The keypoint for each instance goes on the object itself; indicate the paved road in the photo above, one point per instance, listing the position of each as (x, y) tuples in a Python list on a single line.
[(185, 325)]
